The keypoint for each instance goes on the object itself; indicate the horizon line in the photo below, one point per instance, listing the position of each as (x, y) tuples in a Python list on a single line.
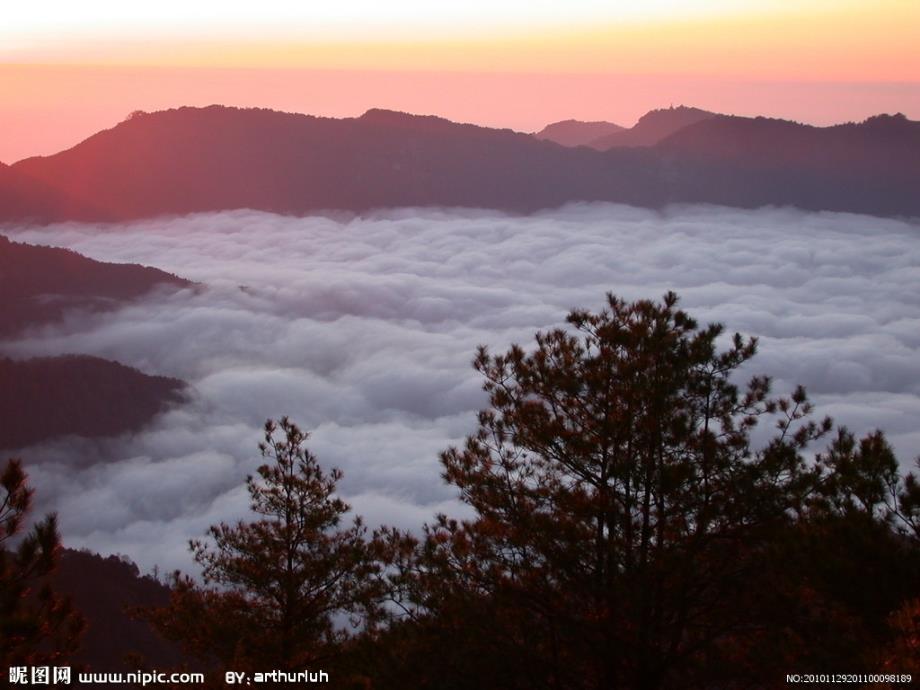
[(141, 112)]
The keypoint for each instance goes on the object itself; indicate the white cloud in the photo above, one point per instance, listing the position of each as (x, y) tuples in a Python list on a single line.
[(362, 330)]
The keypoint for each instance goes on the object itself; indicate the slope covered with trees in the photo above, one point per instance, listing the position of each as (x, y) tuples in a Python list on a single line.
[(46, 397), (21, 197), (874, 162), (39, 284), (108, 591)]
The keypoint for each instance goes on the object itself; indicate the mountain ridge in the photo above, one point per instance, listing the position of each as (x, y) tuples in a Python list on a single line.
[(653, 127), (577, 132), (187, 160), (48, 397), (40, 284)]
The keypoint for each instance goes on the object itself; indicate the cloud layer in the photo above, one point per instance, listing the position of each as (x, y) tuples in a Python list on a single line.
[(362, 330)]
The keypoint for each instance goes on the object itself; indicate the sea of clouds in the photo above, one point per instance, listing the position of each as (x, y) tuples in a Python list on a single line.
[(362, 331)]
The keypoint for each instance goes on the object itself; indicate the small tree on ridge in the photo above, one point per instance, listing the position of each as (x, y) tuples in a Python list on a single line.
[(278, 588)]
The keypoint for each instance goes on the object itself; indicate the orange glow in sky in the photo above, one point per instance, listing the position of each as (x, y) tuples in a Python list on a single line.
[(69, 69)]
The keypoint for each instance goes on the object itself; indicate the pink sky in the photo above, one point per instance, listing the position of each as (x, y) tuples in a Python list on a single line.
[(56, 107), (506, 63)]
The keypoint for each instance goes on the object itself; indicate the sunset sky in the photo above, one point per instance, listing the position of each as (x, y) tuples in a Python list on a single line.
[(69, 69)]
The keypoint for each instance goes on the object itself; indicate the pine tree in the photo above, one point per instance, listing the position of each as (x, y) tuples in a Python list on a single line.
[(37, 625), (621, 512), (279, 590)]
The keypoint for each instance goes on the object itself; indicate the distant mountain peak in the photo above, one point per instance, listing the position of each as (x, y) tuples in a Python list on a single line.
[(887, 117), (391, 117), (889, 122), (680, 112), (577, 132), (386, 114), (654, 126)]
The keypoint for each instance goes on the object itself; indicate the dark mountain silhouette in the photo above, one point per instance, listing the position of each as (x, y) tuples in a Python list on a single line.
[(216, 158), (576, 132), (46, 397), (653, 127), (872, 165), (105, 590), (205, 159), (39, 284), (876, 144)]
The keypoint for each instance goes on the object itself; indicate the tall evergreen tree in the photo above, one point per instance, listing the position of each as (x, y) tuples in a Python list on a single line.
[(627, 531), (279, 590), (37, 625)]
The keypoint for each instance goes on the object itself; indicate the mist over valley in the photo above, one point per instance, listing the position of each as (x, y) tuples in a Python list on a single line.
[(362, 329)]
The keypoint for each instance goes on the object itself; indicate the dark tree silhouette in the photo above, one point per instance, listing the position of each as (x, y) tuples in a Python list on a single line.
[(278, 589), (627, 531), (37, 625)]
